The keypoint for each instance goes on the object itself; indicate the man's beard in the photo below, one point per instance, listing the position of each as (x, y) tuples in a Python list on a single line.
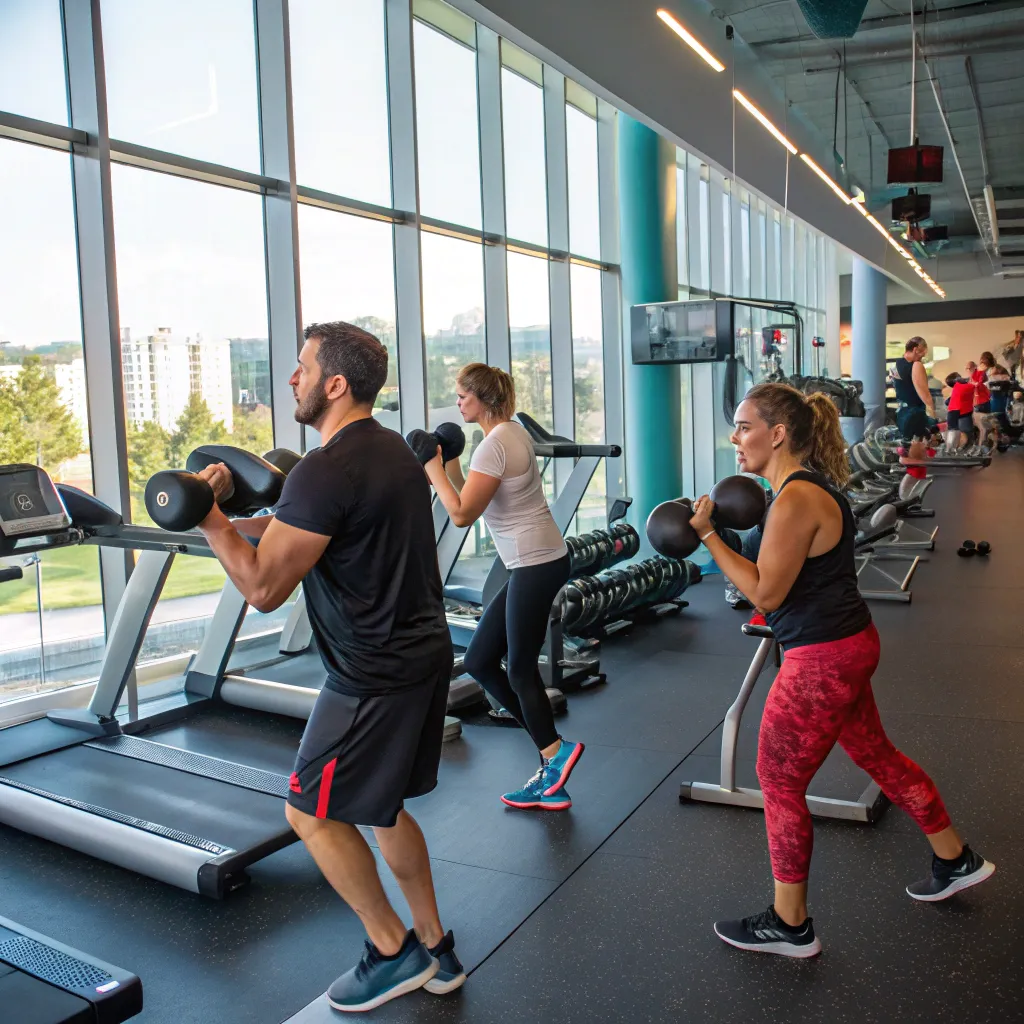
[(310, 410)]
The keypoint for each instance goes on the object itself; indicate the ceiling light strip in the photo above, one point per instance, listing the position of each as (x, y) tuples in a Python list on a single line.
[(690, 40), (825, 178), (758, 116)]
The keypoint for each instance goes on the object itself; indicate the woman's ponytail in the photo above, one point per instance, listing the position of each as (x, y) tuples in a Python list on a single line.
[(828, 446)]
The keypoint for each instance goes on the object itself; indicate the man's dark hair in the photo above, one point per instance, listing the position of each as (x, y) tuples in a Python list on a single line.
[(916, 342), (350, 352)]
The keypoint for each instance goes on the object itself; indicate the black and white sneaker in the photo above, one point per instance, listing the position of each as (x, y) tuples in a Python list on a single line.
[(948, 878), (768, 933)]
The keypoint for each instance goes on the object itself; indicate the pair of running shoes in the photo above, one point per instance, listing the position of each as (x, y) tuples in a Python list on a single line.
[(378, 978)]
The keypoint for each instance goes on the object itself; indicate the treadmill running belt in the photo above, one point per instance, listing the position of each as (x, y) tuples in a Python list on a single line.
[(229, 816), (125, 819), (208, 767)]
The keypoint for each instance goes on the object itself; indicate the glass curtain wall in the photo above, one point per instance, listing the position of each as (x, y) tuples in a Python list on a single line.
[(729, 241), (393, 175)]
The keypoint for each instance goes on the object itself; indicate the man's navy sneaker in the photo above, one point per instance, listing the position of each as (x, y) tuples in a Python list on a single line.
[(768, 933), (562, 763), (450, 975), (946, 878), (377, 979)]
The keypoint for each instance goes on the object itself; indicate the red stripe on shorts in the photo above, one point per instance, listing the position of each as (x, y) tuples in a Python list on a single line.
[(326, 778)]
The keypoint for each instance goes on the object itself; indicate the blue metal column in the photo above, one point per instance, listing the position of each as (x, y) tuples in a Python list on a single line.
[(869, 314), (647, 233)]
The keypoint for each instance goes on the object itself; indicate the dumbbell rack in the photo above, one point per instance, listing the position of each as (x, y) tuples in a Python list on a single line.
[(638, 616)]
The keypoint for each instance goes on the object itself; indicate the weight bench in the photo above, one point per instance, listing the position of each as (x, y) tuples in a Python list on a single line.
[(868, 552)]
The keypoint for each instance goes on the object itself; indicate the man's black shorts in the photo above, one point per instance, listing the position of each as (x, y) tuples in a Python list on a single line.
[(913, 421), (361, 757)]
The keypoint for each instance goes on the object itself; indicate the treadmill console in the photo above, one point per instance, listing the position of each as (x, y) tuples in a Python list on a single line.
[(29, 503)]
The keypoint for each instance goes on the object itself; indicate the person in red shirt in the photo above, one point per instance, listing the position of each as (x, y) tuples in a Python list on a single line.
[(978, 372), (959, 419)]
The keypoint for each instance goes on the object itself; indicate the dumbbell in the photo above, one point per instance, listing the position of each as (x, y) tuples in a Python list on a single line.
[(450, 437), (179, 500), (284, 458), (739, 504)]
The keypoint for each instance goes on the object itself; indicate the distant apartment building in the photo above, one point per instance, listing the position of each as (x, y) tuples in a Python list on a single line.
[(70, 379), (250, 371), (161, 370), (10, 371)]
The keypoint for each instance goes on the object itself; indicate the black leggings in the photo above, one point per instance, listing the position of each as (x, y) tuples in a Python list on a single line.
[(515, 624)]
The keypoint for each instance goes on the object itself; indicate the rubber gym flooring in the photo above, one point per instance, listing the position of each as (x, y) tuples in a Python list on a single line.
[(605, 913)]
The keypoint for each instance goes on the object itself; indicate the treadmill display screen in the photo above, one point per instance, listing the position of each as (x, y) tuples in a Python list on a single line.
[(29, 503)]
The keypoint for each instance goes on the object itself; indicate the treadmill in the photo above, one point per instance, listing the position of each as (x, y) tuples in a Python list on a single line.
[(46, 982), (177, 804)]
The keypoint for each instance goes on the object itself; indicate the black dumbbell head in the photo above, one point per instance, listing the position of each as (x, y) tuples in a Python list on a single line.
[(965, 552), (256, 482), (983, 547), (669, 530), (452, 439), (423, 444), (178, 501), (284, 458), (969, 544), (740, 503)]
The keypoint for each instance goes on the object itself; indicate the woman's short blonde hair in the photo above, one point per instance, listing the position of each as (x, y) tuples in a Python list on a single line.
[(495, 389)]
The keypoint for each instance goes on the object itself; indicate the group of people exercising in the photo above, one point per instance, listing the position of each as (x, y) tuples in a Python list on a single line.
[(984, 402), (354, 526)]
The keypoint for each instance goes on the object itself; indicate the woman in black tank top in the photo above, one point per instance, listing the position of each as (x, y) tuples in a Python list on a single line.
[(805, 584)]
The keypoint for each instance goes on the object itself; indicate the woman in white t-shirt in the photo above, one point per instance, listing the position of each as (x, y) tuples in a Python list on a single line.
[(504, 486)]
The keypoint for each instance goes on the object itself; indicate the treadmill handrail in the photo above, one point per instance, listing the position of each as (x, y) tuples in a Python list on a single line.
[(571, 450), (554, 446)]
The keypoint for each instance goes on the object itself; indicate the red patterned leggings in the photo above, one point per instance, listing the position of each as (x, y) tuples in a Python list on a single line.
[(822, 695)]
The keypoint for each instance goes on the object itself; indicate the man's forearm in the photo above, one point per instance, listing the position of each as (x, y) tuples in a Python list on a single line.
[(235, 554)]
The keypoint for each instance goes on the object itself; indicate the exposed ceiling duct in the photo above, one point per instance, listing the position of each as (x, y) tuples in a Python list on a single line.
[(975, 108), (833, 19)]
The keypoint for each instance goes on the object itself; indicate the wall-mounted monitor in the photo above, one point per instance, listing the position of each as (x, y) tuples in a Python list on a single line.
[(697, 331)]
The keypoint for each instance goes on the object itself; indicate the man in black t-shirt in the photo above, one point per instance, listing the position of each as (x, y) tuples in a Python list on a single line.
[(354, 524)]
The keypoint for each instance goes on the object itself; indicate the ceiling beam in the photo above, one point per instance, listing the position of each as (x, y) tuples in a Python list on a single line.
[(1007, 43)]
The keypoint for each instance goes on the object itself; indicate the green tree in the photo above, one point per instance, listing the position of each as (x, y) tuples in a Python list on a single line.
[(14, 444), (253, 429), (148, 453), (195, 426), (532, 375), (41, 428)]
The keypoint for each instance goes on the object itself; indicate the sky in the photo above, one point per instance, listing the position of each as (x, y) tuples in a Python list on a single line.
[(183, 77)]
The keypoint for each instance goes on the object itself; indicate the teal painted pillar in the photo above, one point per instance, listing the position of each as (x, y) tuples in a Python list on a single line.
[(647, 238), (869, 313)]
